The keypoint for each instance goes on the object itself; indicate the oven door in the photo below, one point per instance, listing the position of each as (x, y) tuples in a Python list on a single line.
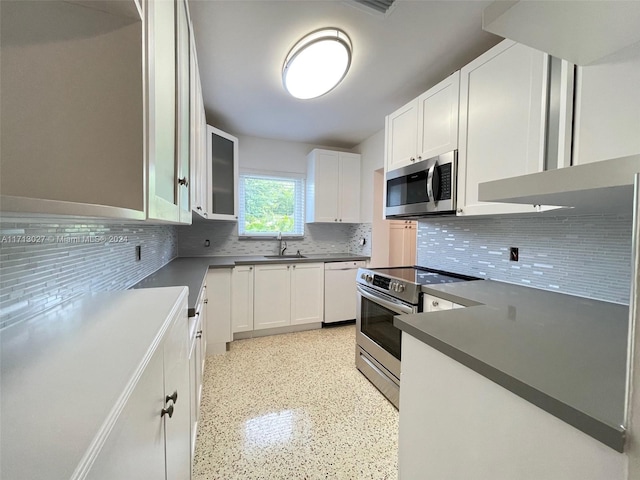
[(375, 332)]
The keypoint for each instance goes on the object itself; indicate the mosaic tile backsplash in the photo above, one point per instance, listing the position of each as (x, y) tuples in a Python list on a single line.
[(318, 238), (43, 265), (588, 256)]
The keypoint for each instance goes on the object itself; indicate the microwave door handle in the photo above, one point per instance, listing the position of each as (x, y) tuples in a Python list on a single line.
[(430, 183)]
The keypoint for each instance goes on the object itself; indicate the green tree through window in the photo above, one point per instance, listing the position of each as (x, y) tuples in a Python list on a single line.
[(269, 205)]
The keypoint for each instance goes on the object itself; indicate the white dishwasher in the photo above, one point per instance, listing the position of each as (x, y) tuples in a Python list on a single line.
[(340, 290)]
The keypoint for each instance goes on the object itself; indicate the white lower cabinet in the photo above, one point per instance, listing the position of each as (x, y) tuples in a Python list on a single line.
[(242, 299), (197, 357), (288, 294), (457, 424), (151, 436), (218, 330), (135, 447), (307, 293), (272, 296)]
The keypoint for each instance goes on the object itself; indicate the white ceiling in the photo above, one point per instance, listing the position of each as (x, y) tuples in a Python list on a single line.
[(242, 45)]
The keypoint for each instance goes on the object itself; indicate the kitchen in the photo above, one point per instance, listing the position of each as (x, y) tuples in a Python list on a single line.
[(74, 194)]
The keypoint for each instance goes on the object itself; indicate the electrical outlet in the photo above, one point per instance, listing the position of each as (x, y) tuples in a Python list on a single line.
[(207, 243), (138, 253), (513, 254)]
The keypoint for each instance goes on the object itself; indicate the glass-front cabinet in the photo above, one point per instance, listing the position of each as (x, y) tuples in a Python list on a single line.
[(222, 153)]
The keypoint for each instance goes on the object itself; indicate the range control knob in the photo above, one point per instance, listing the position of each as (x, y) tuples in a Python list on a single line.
[(363, 276), (392, 286), (369, 278), (400, 288)]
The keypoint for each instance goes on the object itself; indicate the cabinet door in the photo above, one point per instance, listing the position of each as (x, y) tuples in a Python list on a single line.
[(219, 309), (502, 115), (401, 136), (272, 296), (242, 299), (396, 245), (349, 198), (607, 110), (434, 304), (410, 240), (135, 446), (324, 186), (176, 381), (163, 199), (438, 118), (307, 293), (183, 109), (222, 154)]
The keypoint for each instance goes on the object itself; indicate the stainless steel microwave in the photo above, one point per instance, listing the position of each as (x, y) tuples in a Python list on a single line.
[(423, 188)]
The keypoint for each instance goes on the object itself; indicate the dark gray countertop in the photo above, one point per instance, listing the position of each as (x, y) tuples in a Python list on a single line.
[(565, 354), (191, 271)]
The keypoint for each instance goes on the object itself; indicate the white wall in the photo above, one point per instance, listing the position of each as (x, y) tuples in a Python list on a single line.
[(275, 155), (372, 151)]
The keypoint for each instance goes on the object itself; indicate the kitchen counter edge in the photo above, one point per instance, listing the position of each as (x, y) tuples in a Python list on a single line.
[(191, 271)]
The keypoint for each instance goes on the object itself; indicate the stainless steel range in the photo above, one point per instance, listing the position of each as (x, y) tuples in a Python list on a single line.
[(382, 294)]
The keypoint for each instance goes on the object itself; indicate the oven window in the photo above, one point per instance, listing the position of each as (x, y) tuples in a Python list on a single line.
[(407, 190), (377, 324)]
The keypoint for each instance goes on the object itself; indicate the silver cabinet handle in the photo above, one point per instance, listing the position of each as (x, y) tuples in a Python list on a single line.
[(435, 303), (412, 159), (294, 267), (250, 268), (183, 181), (419, 157), (459, 210), (335, 219)]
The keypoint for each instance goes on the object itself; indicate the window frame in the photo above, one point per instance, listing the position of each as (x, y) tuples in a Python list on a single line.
[(299, 181)]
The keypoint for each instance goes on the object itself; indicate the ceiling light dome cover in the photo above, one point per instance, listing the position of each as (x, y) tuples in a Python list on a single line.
[(317, 63)]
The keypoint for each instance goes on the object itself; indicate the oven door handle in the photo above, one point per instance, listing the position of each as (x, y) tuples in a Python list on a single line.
[(397, 307)]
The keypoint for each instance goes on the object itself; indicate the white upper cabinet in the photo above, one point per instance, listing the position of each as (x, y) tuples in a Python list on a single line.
[(199, 173), (438, 118), (114, 138), (222, 171), (402, 136), (169, 122), (425, 127), (73, 76), (503, 97), (607, 108), (333, 187)]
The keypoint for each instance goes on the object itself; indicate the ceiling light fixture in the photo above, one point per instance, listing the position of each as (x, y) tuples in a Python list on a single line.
[(317, 63)]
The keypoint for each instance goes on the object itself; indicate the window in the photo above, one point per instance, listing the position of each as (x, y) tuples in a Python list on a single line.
[(270, 204)]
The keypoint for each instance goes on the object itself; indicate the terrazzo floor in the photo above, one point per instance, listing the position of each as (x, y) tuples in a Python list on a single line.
[(294, 406)]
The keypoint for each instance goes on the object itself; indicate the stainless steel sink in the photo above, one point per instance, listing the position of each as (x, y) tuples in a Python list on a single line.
[(284, 256)]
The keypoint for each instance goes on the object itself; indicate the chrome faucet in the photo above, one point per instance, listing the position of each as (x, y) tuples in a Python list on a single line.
[(281, 248)]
